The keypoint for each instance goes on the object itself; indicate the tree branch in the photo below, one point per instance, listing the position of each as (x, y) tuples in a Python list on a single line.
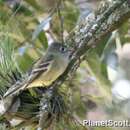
[(88, 34)]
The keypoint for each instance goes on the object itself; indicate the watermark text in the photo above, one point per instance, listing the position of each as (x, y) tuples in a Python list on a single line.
[(106, 123)]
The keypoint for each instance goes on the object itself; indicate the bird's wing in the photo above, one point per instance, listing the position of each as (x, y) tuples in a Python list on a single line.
[(40, 67)]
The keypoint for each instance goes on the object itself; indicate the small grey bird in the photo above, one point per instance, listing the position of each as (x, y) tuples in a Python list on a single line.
[(46, 70)]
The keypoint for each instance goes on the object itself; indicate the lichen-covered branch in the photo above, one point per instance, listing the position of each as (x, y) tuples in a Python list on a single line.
[(89, 33)]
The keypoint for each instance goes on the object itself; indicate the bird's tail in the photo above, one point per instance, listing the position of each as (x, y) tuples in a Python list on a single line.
[(15, 90)]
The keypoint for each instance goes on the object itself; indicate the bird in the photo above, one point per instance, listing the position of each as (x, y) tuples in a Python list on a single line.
[(46, 69)]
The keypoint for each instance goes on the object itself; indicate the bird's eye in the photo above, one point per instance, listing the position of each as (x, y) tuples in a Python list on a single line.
[(62, 49)]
